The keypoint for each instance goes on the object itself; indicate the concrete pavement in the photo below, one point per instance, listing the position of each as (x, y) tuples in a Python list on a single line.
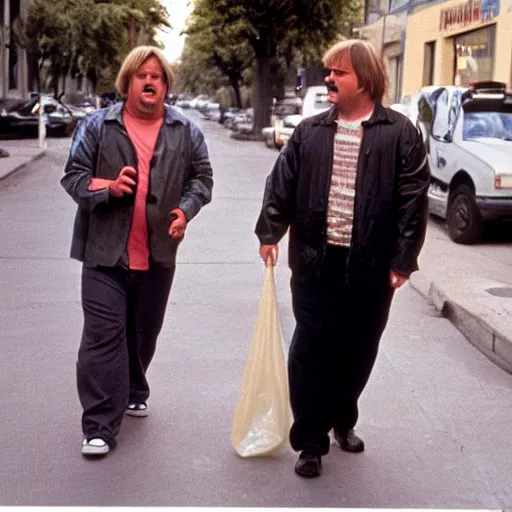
[(435, 414), (475, 296), (21, 153), (478, 304)]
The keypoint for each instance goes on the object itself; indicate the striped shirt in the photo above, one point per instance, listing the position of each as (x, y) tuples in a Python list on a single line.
[(340, 207)]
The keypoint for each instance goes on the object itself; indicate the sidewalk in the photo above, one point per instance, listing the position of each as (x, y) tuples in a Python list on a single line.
[(21, 153), (472, 287), (476, 296)]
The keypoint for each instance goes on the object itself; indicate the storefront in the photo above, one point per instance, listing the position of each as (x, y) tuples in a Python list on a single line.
[(456, 43)]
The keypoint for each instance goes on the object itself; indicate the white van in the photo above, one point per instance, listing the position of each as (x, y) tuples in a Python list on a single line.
[(314, 102)]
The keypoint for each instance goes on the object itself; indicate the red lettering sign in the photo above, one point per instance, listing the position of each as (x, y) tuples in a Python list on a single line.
[(461, 15)]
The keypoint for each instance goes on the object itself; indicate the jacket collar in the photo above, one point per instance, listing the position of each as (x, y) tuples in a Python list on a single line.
[(380, 115), (115, 113)]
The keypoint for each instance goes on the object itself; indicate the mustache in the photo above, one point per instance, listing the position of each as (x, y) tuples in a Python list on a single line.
[(331, 86), (149, 88)]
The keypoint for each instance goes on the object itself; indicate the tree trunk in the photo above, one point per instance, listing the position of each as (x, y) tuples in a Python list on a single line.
[(131, 34), (238, 96), (262, 93), (56, 87), (235, 84)]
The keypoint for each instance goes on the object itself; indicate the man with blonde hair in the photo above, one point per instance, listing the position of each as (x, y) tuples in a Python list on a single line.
[(139, 172), (351, 186)]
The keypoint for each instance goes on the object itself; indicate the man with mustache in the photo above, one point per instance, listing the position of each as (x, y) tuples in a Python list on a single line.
[(139, 172), (351, 186)]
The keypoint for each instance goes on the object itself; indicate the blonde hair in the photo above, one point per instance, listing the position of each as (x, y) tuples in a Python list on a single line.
[(134, 60), (368, 66)]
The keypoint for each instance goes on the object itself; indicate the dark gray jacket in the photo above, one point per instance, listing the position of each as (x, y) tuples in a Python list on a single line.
[(180, 177), (390, 211)]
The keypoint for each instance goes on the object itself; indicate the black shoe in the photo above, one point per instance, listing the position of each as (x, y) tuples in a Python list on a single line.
[(348, 441), (309, 464)]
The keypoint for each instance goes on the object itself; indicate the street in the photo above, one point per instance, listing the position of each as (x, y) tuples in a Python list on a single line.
[(436, 415)]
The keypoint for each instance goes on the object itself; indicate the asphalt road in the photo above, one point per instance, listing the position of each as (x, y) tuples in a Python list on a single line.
[(436, 416)]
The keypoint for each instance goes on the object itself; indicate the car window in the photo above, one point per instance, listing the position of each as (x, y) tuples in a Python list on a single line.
[(441, 126), (455, 106), (496, 125)]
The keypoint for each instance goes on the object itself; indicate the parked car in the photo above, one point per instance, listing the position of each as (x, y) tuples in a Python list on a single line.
[(227, 117), (79, 104), (279, 111), (408, 106), (243, 120), (468, 134), (201, 104), (183, 101), (193, 102), (211, 111), (314, 102), (22, 119)]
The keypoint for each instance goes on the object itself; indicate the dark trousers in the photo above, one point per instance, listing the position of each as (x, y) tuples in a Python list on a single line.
[(123, 314), (333, 349)]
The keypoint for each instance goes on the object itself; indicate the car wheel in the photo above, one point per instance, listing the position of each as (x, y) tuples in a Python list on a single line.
[(464, 221)]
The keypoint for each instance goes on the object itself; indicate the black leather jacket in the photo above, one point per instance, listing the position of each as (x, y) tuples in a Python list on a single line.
[(390, 211), (180, 176)]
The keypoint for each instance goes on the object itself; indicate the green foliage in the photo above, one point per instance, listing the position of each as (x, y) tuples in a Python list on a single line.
[(86, 37), (215, 54), (272, 34)]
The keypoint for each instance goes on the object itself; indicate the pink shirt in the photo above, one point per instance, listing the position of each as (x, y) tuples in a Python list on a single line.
[(143, 134)]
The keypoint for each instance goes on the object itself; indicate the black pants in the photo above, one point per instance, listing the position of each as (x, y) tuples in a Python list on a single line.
[(333, 349), (123, 314)]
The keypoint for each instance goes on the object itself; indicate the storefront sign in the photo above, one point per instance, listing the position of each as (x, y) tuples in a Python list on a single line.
[(469, 13)]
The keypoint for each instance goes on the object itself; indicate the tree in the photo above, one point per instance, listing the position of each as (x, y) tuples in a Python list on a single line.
[(86, 37), (46, 36), (279, 29), (207, 46), (98, 36)]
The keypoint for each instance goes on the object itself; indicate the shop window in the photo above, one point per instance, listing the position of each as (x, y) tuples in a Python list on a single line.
[(428, 63), (455, 106), (474, 56)]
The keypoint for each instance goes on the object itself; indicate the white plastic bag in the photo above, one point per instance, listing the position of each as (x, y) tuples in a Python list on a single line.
[(262, 415)]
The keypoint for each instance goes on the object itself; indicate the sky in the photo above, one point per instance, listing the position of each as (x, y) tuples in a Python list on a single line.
[(173, 42)]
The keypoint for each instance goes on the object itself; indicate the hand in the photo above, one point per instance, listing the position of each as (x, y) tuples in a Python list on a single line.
[(125, 183), (397, 280), (269, 254), (178, 225)]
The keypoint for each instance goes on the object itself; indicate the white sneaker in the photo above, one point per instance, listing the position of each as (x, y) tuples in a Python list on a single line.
[(95, 446), (139, 410)]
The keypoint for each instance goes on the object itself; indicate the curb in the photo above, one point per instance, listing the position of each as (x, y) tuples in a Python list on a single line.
[(23, 164), (481, 318)]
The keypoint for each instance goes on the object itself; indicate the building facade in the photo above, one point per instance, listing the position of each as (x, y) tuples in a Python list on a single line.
[(385, 30), (458, 42), (13, 59)]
